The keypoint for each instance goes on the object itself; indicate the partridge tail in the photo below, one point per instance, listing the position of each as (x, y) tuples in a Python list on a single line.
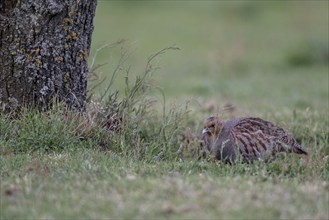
[(298, 150)]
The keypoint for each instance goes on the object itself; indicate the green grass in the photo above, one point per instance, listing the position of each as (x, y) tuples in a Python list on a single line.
[(91, 184), (132, 154)]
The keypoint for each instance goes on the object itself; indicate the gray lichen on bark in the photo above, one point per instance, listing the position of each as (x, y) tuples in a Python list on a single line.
[(44, 49)]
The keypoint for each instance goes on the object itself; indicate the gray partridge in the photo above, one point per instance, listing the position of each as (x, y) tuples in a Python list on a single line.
[(246, 138)]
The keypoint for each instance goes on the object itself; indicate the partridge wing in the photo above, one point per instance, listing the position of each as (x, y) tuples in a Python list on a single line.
[(279, 139), (254, 145)]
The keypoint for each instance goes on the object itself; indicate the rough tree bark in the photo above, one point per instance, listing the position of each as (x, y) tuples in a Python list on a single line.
[(44, 46)]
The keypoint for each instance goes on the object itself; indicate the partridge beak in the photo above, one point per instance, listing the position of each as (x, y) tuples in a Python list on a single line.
[(205, 130)]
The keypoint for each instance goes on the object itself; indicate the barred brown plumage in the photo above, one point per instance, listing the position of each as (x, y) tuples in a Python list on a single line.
[(247, 138)]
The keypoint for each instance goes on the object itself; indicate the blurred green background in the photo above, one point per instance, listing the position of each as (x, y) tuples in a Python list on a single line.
[(255, 55)]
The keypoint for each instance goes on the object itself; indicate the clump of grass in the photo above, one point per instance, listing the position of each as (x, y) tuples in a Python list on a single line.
[(33, 131), (130, 123)]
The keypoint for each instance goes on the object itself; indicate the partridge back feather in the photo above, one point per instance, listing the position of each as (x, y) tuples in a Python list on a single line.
[(250, 138)]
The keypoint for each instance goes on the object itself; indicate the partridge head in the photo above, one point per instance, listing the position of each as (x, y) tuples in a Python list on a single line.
[(212, 127)]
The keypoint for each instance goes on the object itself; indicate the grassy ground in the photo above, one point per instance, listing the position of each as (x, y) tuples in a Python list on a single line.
[(127, 157), (90, 184)]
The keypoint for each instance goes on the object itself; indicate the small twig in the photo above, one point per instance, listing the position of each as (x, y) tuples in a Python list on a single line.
[(109, 45)]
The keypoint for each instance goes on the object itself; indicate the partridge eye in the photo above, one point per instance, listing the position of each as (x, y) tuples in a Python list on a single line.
[(212, 126)]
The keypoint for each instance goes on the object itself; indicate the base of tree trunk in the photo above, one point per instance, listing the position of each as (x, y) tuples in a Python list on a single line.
[(44, 47)]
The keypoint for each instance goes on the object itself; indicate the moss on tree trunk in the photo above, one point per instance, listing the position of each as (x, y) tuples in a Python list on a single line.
[(44, 46)]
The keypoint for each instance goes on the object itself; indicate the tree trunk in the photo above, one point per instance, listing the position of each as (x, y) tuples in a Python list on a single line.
[(44, 46)]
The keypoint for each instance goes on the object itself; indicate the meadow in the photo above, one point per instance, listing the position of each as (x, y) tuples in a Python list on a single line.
[(159, 68)]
